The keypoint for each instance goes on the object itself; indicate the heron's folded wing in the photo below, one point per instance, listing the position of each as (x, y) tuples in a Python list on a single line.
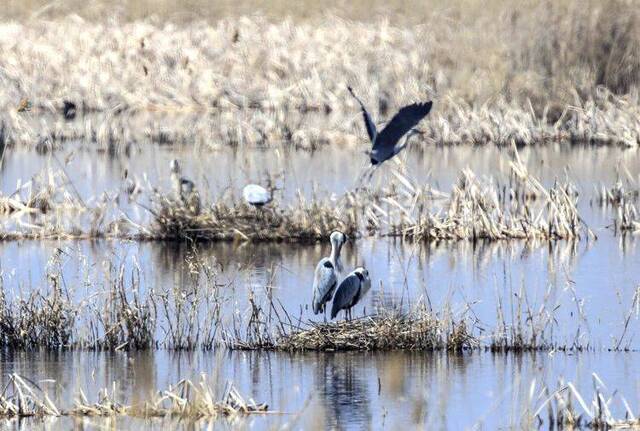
[(346, 292), (324, 280)]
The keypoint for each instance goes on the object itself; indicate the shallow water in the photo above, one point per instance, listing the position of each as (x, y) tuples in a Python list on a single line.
[(350, 390)]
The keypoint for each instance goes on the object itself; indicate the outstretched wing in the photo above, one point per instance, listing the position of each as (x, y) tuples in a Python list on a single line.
[(406, 119), (368, 122), (324, 284), (346, 294)]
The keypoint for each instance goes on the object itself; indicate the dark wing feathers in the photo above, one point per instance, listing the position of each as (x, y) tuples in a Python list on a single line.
[(345, 295), (406, 119), (368, 122)]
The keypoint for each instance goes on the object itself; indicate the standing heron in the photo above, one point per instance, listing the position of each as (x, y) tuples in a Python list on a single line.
[(350, 291), (256, 195), (386, 143), (183, 188), (325, 278)]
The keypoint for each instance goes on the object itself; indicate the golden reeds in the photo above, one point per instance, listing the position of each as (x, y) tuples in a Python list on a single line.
[(303, 220), (418, 330), (551, 72), (475, 209), (22, 397), (567, 408)]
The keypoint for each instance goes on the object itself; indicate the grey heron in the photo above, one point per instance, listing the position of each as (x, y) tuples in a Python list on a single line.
[(183, 188), (350, 291), (386, 143), (325, 278), (69, 110), (256, 195)]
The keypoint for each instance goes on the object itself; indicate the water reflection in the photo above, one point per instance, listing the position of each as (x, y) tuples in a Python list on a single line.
[(356, 390)]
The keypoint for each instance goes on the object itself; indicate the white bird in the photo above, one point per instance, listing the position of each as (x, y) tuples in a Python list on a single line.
[(325, 278), (351, 290), (256, 195)]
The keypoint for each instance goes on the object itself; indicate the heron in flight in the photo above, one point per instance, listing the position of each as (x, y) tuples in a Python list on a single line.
[(350, 291), (386, 142), (325, 278)]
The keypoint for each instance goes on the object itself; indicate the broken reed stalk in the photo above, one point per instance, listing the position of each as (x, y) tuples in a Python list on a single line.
[(567, 408), (22, 397)]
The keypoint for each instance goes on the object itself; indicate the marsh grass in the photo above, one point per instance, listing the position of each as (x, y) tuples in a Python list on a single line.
[(561, 72), (205, 311), (567, 408), (119, 314), (270, 327), (481, 209), (187, 400), (476, 208), (304, 220), (418, 330)]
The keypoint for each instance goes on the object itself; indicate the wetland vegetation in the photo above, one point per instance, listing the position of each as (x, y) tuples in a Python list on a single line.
[(501, 244)]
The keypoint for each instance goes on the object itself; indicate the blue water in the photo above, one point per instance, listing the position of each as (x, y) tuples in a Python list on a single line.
[(587, 287)]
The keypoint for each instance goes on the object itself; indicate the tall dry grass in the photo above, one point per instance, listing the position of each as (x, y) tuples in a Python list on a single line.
[(563, 71)]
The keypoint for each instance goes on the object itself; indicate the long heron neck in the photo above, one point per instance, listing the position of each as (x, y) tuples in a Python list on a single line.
[(335, 256)]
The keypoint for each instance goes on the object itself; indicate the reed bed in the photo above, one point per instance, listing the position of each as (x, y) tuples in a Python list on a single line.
[(477, 208), (251, 80), (622, 199), (414, 331), (480, 209), (305, 220), (270, 327), (204, 311), (567, 408), (187, 400), (118, 314)]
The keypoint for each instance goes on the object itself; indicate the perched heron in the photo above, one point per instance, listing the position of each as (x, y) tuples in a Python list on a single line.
[(386, 143), (350, 291), (256, 195), (183, 188), (325, 278)]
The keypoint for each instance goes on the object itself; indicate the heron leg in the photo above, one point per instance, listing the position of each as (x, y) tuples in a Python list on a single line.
[(325, 313)]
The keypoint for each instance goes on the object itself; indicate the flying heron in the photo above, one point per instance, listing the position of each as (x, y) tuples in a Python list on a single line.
[(350, 291), (325, 277), (386, 143)]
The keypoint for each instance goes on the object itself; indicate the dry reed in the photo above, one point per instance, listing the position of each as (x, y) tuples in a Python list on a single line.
[(567, 408), (22, 397), (303, 220), (480, 209), (419, 330), (541, 72)]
